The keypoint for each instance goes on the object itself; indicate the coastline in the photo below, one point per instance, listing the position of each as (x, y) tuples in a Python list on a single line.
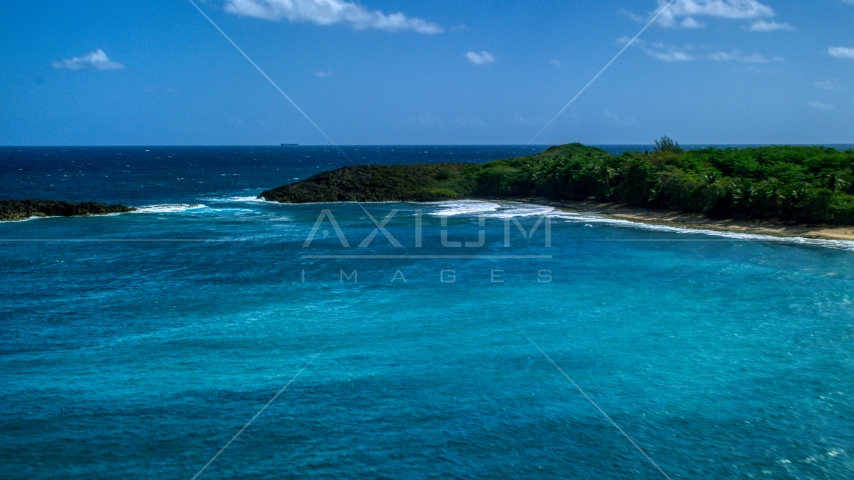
[(701, 222), (19, 210)]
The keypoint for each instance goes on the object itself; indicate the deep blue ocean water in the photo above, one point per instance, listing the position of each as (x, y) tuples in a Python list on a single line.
[(138, 345)]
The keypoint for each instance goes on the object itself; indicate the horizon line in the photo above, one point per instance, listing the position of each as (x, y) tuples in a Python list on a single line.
[(289, 146)]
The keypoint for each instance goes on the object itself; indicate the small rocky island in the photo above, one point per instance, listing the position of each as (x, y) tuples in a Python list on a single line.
[(12, 210)]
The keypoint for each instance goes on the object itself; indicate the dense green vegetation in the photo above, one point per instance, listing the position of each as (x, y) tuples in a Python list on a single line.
[(24, 209), (373, 183), (803, 184)]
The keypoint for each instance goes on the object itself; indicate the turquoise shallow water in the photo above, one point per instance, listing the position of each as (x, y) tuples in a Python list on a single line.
[(721, 357)]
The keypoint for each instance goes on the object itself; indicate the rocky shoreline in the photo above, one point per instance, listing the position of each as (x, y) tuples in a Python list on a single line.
[(16, 210)]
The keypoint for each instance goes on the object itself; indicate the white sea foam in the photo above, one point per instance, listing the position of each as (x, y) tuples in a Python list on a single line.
[(34, 217), (463, 207), (235, 199), (506, 210), (521, 210), (594, 219), (249, 199), (489, 209), (169, 208)]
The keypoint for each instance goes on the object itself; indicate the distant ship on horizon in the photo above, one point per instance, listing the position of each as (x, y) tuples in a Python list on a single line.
[(290, 144)]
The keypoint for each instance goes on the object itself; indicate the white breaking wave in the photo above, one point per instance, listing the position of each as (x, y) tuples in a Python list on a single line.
[(510, 209), (236, 199), (169, 208), (24, 219), (490, 210), (463, 207), (588, 219), (522, 210), (250, 199)]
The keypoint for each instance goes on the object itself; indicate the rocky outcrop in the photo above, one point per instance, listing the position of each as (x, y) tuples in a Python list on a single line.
[(397, 183), (11, 210)]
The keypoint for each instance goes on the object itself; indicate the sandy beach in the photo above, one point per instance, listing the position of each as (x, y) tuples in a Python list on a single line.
[(698, 221)]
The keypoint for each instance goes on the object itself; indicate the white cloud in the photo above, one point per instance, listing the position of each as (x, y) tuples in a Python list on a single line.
[(728, 9), (636, 18), (688, 52), (827, 84), (661, 51), (763, 26), (556, 63), (482, 58), (619, 120), (690, 22), (738, 56), (323, 74), (330, 12), (672, 56), (821, 106), (841, 52), (97, 60)]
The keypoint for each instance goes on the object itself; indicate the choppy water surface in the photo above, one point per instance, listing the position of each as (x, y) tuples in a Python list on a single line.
[(140, 344)]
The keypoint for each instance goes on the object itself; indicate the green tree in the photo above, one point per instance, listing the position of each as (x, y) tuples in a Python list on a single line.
[(667, 144)]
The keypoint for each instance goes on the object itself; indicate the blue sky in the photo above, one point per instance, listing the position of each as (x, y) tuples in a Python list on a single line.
[(155, 72)]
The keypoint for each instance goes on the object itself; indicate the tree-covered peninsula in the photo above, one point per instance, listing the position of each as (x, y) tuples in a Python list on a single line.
[(801, 184)]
